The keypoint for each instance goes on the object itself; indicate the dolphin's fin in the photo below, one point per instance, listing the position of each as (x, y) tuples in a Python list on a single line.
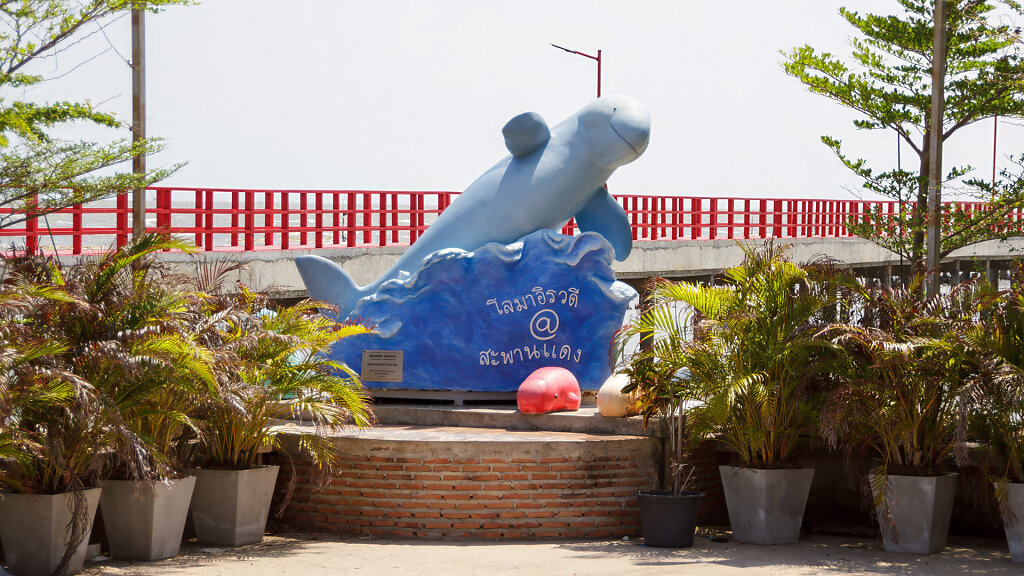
[(525, 133), (602, 214), (328, 282)]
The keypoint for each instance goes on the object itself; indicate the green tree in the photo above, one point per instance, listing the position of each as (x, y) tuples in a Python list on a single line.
[(40, 173), (887, 79)]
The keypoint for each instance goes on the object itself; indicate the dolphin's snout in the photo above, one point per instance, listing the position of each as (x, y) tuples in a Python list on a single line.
[(617, 129), (631, 121)]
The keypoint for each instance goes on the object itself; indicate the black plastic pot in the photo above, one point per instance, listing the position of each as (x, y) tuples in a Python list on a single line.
[(668, 521)]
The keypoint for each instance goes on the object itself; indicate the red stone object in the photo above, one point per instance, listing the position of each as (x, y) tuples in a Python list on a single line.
[(549, 390)]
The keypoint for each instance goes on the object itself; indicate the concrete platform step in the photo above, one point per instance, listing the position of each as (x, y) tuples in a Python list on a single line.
[(586, 420)]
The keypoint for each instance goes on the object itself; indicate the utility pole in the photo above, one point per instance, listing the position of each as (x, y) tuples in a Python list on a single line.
[(138, 116), (932, 261)]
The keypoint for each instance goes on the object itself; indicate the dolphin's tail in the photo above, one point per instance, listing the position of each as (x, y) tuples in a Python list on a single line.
[(328, 282)]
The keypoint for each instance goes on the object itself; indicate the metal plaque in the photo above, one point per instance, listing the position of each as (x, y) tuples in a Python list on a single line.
[(382, 365)]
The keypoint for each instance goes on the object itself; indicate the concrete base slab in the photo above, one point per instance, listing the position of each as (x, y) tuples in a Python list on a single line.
[(586, 420), (33, 529), (145, 520)]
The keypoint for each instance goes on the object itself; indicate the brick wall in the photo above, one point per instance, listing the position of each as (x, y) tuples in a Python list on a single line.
[(478, 490), (707, 479)]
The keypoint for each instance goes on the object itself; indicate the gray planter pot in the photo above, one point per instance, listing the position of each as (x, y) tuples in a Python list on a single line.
[(921, 507), (1015, 528), (33, 531), (145, 520), (766, 506), (230, 507)]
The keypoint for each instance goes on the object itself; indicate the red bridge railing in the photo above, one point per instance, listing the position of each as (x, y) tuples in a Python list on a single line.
[(218, 219)]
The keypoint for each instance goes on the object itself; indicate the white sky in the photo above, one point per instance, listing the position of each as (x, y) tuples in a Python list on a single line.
[(411, 95)]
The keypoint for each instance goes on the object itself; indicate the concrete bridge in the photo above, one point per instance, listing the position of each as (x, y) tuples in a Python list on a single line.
[(275, 272)]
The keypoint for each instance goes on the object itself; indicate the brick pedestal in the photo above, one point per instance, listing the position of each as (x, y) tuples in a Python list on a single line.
[(475, 483)]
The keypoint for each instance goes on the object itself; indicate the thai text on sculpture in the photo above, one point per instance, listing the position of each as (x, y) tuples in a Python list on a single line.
[(550, 176)]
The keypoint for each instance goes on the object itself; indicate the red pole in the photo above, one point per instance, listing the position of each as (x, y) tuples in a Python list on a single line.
[(598, 73), (995, 130), (31, 226)]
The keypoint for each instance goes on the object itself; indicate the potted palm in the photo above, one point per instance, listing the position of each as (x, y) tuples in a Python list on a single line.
[(127, 331), (906, 390), (752, 372), (280, 371), (50, 427), (999, 421), (134, 332)]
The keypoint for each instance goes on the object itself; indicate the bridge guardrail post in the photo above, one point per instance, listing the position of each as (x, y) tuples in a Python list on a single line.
[(208, 227), (31, 226), (249, 239), (350, 219), (121, 219), (234, 218), (76, 229), (285, 222)]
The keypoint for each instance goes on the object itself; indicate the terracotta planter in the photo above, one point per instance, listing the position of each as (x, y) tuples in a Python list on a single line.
[(921, 507), (145, 520), (33, 531), (766, 506), (230, 507)]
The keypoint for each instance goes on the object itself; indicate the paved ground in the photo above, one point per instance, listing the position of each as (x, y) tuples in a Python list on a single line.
[(318, 554)]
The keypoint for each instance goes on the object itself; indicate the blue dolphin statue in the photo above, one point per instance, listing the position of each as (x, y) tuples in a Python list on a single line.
[(550, 176)]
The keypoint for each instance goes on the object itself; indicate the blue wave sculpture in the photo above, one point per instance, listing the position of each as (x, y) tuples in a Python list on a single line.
[(484, 320)]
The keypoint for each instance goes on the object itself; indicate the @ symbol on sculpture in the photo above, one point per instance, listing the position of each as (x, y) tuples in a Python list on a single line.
[(544, 325)]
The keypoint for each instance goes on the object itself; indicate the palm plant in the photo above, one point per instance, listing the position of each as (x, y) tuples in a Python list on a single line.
[(49, 428), (280, 370), (908, 382), (34, 391), (999, 420), (130, 334), (745, 352)]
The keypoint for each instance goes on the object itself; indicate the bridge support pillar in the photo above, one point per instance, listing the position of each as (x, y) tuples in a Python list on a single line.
[(965, 274), (991, 274)]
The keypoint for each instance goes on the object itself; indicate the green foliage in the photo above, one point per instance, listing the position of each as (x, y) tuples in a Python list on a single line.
[(280, 371), (907, 383), (1001, 339), (40, 177), (657, 384), (742, 356), (887, 79), (118, 367), (39, 173), (998, 421), (125, 329), (32, 387), (120, 356), (907, 380)]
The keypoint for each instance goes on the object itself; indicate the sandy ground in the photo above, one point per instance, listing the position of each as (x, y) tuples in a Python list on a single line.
[(319, 554)]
